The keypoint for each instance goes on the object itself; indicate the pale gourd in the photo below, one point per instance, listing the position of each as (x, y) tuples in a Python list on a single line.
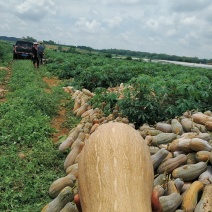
[(115, 171)]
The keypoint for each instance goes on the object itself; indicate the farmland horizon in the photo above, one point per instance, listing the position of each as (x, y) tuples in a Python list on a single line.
[(125, 52)]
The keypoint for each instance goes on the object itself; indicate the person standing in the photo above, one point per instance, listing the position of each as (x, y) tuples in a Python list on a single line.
[(40, 52), (35, 55)]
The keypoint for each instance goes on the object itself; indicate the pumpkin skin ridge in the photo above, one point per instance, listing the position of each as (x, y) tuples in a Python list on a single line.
[(114, 168)]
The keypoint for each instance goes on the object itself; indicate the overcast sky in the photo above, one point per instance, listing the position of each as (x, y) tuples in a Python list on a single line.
[(174, 27)]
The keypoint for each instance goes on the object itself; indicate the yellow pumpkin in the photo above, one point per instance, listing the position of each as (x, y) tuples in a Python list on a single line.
[(115, 170)]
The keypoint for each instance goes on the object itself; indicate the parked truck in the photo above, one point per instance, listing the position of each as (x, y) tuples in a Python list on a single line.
[(22, 50)]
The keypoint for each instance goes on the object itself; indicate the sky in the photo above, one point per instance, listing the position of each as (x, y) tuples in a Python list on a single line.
[(173, 27)]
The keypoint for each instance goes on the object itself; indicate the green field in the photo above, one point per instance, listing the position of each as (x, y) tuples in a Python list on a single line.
[(29, 161)]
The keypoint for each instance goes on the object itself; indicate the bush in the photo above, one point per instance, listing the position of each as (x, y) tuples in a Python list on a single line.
[(5, 52)]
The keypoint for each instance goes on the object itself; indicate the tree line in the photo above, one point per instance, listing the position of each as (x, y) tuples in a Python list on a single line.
[(122, 52)]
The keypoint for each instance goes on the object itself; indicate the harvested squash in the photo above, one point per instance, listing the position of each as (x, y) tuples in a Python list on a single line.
[(189, 172), (171, 188), (164, 127), (159, 189), (70, 159), (69, 208), (172, 163), (57, 204), (189, 200), (208, 125), (163, 138), (206, 176), (59, 184), (116, 164), (205, 203), (201, 118), (203, 156), (176, 126), (187, 124), (71, 138), (171, 202), (198, 144), (158, 157), (179, 184)]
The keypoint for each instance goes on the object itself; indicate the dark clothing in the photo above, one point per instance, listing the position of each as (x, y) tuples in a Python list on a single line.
[(40, 49), (40, 57), (40, 53), (35, 56)]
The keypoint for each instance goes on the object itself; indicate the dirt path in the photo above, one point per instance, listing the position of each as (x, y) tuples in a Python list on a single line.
[(3, 83), (57, 122)]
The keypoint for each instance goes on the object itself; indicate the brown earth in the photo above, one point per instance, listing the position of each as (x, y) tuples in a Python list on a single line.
[(57, 122), (3, 84)]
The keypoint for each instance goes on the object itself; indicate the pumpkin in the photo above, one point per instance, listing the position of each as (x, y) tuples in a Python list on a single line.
[(164, 127), (189, 172), (205, 203), (115, 170), (58, 203), (163, 138), (172, 163), (176, 126), (170, 202), (190, 197), (158, 157), (201, 118), (58, 185)]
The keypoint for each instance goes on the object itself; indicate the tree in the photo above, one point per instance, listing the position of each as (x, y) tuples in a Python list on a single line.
[(31, 39), (51, 42), (59, 48), (72, 49)]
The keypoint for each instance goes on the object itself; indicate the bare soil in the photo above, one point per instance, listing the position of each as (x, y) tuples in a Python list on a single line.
[(3, 89), (57, 122)]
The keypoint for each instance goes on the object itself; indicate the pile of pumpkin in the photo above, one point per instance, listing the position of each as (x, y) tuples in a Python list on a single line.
[(181, 153)]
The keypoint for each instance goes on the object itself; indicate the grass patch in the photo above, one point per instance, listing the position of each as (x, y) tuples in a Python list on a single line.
[(29, 161), (3, 74)]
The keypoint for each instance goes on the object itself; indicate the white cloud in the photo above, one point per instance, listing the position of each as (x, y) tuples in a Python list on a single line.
[(124, 36), (152, 23), (92, 26), (114, 21), (35, 10), (171, 32), (190, 5), (189, 20), (173, 27), (95, 12), (4, 27)]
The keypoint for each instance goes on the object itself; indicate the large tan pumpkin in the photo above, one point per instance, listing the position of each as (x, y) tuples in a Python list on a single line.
[(115, 171)]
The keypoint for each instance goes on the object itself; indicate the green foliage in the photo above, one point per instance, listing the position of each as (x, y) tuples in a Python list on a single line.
[(106, 75), (5, 53), (28, 38), (71, 120), (21, 125), (104, 100), (25, 182), (25, 128), (59, 48), (160, 91), (3, 74), (31, 89), (154, 99), (154, 92), (51, 42), (154, 56), (128, 58), (72, 49)]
